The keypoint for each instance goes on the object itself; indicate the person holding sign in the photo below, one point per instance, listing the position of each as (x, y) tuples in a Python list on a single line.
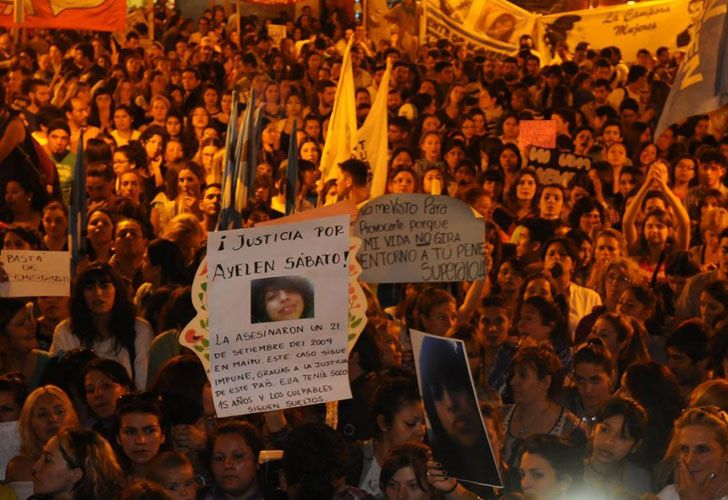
[(282, 298)]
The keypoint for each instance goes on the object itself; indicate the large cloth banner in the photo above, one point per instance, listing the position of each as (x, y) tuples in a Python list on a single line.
[(700, 85), (493, 25), (647, 25), (98, 15)]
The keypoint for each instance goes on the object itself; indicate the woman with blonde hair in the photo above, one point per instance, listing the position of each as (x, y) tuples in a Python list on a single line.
[(46, 410), (711, 224), (710, 393), (698, 452), (78, 464)]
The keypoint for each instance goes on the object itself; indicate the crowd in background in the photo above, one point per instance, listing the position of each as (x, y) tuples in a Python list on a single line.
[(597, 342)]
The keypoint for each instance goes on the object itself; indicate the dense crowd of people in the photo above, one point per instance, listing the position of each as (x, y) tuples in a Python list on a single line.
[(597, 342)]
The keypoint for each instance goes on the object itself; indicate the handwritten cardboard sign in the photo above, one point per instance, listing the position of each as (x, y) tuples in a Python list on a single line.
[(456, 432), (419, 238), (541, 133), (278, 315), (31, 273), (554, 167)]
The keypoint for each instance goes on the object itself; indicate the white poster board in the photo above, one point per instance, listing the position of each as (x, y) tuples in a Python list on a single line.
[(32, 273), (411, 238), (9, 444), (278, 312)]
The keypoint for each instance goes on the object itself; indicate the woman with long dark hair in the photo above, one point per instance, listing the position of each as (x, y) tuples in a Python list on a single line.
[(103, 317)]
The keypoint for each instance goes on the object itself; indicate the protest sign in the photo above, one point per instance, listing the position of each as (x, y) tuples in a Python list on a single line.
[(644, 25), (278, 315), (195, 336), (9, 444), (99, 15), (32, 273), (541, 133), (456, 432), (419, 238), (554, 167), (277, 32), (490, 25)]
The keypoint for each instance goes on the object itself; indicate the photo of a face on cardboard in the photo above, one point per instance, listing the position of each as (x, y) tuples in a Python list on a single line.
[(281, 298), (454, 423)]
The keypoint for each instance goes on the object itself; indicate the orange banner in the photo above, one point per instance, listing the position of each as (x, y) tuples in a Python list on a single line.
[(98, 15)]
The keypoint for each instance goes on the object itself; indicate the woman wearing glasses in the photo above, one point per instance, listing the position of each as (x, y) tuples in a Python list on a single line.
[(103, 317)]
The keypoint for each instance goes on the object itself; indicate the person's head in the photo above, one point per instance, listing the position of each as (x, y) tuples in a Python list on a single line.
[(536, 374), (77, 463), (402, 180), (141, 428), (130, 239), (435, 311), (541, 319), (617, 276), (687, 352), (679, 266), (494, 322), (560, 257), (711, 168), (615, 331), (99, 181), (524, 189), (185, 231), (710, 393), (654, 386), (13, 392), (637, 301), (619, 430), (20, 238), (105, 380), (713, 302), (235, 449), (282, 298), (609, 245), (173, 471), (587, 214), (46, 410), (700, 444), (59, 137), (594, 373), (549, 467), (657, 227), (551, 203), (404, 473), (354, 174), (396, 411)]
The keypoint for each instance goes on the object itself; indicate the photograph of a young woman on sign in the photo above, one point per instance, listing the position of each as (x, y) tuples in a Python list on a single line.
[(282, 298), (454, 424)]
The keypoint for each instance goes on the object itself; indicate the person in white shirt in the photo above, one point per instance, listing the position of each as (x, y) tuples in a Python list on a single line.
[(103, 318)]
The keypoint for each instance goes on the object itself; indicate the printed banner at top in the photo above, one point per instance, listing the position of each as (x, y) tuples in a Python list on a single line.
[(99, 15), (494, 25), (647, 25)]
